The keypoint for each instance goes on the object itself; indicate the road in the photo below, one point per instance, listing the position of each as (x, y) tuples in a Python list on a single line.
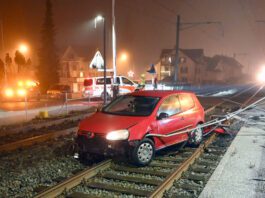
[(20, 105)]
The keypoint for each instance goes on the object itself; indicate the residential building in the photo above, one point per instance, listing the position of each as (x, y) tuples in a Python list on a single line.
[(189, 67), (73, 70), (195, 68)]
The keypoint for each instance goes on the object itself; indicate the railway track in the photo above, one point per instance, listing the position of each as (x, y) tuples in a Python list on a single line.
[(35, 125), (90, 181), (181, 173), (32, 134)]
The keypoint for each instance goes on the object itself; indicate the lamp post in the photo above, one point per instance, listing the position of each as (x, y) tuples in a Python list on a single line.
[(101, 18)]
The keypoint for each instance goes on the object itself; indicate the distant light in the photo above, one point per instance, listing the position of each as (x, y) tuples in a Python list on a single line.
[(131, 73), (21, 92), (124, 56), (30, 83), (99, 18), (20, 83), (23, 48), (9, 92), (261, 75)]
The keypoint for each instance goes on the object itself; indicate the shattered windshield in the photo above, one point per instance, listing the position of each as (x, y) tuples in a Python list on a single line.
[(132, 105)]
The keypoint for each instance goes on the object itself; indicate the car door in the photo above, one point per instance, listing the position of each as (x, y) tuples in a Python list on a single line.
[(174, 122), (187, 107), (127, 86)]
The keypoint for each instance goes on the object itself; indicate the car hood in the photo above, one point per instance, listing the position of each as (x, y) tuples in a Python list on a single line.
[(104, 123)]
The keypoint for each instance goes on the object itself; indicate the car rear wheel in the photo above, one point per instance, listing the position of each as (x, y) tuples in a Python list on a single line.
[(195, 136), (143, 153)]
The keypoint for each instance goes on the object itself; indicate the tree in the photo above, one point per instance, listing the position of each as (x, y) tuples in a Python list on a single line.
[(2, 70), (28, 63), (48, 68), (20, 61), (8, 61)]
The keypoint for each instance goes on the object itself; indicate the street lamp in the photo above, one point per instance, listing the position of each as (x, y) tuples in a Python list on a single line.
[(124, 57), (23, 48), (97, 19)]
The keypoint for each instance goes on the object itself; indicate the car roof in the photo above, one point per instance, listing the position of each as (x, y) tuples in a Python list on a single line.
[(159, 93)]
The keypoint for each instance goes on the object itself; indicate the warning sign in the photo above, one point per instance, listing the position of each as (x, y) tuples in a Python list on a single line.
[(97, 62)]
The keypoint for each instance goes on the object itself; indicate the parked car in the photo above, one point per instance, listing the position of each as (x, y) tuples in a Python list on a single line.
[(94, 87), (58, 91), (138, 124)]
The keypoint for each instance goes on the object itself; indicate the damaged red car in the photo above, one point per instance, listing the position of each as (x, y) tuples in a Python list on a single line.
[(139, 124)]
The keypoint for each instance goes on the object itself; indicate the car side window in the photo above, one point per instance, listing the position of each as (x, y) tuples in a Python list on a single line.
[(118, 80), (186, 102), (126, 81), (100, 81), (170, 105)]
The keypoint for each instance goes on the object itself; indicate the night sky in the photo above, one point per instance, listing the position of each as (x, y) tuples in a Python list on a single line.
[(144, 27)]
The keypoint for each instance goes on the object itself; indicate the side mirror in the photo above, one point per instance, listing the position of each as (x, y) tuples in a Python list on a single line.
[(162, 116)]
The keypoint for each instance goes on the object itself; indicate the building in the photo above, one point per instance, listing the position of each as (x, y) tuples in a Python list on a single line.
[(73, 70), (195, 68), (189, 67), (222, 69)]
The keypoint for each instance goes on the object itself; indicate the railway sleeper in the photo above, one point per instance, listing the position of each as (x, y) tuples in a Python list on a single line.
[(178, 195), (186, 154), (188, 187), (163, 165), (141, 180), (195, 177), (201, 169), (81, 195), (216, 148), (210, 157), (141, 171), (171, 159), (120, 189), (215, 152), (205, 162)]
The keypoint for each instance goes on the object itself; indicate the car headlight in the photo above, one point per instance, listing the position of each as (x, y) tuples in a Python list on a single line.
[(118, 135)]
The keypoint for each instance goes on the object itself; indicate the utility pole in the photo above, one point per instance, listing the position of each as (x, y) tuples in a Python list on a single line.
[(177, 50), (179, 27), (114, 42)]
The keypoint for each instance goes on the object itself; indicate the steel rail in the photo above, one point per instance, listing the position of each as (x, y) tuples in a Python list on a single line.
[(36, 139), (168, 182), (74, 180)]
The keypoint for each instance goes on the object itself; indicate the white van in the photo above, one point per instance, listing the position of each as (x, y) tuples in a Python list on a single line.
[(94, 86)]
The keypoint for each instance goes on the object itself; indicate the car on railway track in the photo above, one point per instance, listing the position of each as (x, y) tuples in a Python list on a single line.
[(138, 124)]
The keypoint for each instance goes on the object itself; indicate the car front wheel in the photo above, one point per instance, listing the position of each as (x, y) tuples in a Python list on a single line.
[(143, 153), (195, 136)]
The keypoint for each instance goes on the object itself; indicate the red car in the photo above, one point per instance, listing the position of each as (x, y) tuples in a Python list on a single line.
[(140, 123)]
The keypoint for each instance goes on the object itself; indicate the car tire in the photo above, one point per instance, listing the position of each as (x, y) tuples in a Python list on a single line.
[(195, 137), (143, 153)]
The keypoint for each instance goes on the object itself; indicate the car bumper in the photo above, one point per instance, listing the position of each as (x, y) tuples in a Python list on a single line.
[(101, 146)]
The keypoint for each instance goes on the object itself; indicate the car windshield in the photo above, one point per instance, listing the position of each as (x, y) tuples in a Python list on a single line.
[(132, 105)]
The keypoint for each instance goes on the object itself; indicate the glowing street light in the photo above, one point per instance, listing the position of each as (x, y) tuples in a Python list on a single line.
[(124, 57), (23, 48)]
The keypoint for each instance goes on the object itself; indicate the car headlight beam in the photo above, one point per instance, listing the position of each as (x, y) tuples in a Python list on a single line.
[(118, 135)]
